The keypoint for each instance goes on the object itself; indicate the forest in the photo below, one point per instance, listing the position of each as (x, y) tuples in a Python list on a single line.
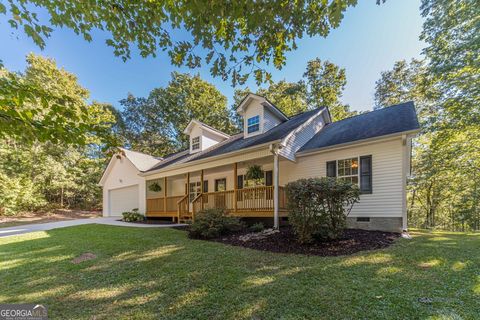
[(55, 142)]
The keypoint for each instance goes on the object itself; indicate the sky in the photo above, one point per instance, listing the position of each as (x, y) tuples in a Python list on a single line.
[(368, 41)]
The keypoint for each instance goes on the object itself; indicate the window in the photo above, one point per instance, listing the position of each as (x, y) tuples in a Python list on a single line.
[(347, 169), (220, 184), (194, 190), (357, 170), (253, 124), (195, 143)]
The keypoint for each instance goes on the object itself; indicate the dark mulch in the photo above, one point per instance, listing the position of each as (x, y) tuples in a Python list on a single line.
[(353, 240)]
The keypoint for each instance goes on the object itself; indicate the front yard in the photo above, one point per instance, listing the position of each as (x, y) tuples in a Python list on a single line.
[(160, 273)]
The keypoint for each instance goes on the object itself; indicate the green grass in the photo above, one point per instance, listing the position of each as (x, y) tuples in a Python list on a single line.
[(160, 273)]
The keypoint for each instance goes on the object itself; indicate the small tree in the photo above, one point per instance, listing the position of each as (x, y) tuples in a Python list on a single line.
[(318, 207)]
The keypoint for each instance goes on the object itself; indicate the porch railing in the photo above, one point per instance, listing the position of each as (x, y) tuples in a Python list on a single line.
[(158, 204), (247, 199), (254, 199)]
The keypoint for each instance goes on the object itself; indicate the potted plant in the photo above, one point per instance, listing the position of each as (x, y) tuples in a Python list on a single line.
[(255, 174), (155, 187)]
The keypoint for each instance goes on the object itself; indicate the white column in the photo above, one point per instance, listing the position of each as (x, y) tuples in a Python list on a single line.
[(275, 192)]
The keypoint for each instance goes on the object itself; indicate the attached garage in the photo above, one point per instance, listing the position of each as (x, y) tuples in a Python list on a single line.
[(123, 199), (123, 187)]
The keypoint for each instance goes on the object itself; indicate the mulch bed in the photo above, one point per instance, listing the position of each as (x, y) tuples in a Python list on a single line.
[(352, 241)]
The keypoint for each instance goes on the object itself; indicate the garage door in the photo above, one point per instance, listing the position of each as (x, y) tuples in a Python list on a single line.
[(123, 199)]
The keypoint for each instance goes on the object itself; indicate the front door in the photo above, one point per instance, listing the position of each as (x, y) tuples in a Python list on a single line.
[(194, 190)]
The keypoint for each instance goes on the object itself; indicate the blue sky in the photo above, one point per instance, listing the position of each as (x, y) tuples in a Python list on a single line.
[(369, 40)]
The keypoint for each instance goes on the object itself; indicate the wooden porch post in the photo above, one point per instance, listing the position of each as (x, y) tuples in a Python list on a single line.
[(201, 186), (164, 194), (275, 192), (235, 187)]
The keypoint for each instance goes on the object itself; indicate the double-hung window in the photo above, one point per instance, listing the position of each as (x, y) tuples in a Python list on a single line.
[(357, 170), (196, 143), (348, 170), (253, 124)]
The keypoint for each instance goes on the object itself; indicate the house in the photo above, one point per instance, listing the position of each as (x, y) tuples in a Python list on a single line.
[(370, 149)]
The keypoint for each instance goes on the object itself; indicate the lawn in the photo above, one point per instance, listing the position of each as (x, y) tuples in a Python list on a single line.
[(160, 273)]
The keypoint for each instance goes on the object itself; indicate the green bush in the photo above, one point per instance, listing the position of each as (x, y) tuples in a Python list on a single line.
[(213, 223), (256, 227), (318, 207), (133, 216)]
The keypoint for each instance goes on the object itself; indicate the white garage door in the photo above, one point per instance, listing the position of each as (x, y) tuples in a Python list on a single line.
[(123, 199)]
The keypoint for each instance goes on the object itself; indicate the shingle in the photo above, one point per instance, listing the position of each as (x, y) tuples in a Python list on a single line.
[(389, 120), (237, 142)]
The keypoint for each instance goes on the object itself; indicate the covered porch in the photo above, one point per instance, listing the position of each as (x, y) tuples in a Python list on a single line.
[(181, 196)]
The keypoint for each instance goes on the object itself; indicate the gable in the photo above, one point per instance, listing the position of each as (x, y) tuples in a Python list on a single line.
[(120, 172)]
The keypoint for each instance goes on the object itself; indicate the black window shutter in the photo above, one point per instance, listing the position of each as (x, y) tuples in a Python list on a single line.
[(240, 182), (366, 174), (331, 169), (269, 178), (205, 186)]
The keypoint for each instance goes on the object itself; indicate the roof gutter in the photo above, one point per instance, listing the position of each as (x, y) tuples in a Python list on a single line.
[(208, 159), (362, 141)]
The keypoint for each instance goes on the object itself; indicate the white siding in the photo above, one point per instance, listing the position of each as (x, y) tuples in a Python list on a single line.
[(122, 173), (196, 132), (302, 135), (387, 197), (252, 110), (269, 120), (209, 139)]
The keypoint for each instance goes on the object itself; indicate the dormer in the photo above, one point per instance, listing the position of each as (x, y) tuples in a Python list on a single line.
[(203, 136), (259, 115)]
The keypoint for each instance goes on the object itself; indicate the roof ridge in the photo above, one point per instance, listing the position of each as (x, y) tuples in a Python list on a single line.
[(374, 110)]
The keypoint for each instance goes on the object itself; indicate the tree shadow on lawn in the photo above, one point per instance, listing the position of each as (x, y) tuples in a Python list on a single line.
[(160, 273)]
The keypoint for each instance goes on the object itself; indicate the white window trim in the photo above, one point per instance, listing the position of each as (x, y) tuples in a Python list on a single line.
[(259, 128), (195, 143), (351, 175)]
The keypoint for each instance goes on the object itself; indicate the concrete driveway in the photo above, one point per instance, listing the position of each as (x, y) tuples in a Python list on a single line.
[(111, 221)]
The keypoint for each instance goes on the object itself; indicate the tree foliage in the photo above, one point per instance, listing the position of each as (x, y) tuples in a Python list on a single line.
[(155, 124), (46, 103), (233, 38), (50, 150), (322, 85), (452, 32)]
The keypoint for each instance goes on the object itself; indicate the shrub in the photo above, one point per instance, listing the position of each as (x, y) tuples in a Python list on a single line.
[(133, 216), (213, 223), (256, 227), (318, 207)]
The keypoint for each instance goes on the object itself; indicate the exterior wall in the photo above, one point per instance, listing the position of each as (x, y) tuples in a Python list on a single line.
[(302, 135), (209, 139), (388, 159), (122, 173), (196, 132), (252, 110), (269, 120)]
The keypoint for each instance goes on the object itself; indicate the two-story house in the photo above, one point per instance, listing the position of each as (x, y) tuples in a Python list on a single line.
[(371, 149)]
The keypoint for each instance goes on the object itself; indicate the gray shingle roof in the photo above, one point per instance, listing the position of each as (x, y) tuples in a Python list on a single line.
[(237, 142), (389, 120)]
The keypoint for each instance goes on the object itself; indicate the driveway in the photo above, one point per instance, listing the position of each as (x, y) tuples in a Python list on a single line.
[(111, 221)]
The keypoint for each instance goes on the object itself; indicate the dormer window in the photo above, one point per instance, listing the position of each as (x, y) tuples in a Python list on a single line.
[(253, 124), (196, 143)]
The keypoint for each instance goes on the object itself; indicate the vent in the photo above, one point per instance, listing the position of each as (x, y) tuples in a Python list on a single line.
[(363, 219)]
